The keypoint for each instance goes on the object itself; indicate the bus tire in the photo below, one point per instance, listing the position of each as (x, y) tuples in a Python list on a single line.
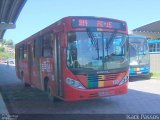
[(26, 85), (147, 76), (50, 97)]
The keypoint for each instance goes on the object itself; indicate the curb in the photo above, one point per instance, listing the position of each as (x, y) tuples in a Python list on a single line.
[(3, 108)]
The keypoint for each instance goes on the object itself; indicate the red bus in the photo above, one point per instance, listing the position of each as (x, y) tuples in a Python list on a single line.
[(76, 58)]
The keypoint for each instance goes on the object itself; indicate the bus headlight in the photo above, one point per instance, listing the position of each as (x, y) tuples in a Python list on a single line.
[(74, 83), (124, 80)]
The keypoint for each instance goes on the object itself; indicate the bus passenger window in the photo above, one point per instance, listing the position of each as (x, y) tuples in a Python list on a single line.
[(46, 46), (21, 53), (158, 47), (46, 52), (37, 48), (25, 52), (152, 48)]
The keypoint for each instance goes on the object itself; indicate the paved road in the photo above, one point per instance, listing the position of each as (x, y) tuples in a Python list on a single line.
[(143, 97)]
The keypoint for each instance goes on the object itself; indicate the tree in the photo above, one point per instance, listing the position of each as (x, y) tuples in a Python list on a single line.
[(9, 42), (1, 49), (3, 53)]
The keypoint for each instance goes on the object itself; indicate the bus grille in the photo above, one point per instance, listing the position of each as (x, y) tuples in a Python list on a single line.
[(96, 81)]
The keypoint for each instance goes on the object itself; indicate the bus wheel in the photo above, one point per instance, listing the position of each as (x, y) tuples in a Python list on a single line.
[(50, 96), (24, 83), (147, 76), (27, 85)]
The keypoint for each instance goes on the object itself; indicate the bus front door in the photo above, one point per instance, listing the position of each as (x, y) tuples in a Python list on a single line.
[(32, 66), (58, 65), (30, 61)]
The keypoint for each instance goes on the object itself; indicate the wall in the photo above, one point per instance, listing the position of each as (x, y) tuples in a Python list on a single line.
[(155, 62)]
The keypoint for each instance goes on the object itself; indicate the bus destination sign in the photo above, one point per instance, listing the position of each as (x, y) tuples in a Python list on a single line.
[(98, 23)]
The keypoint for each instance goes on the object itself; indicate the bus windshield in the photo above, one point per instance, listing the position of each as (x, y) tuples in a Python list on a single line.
[(139, 44), (138, 51), (97, 51)]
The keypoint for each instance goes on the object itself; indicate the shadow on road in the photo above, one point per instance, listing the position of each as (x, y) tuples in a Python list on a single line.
[(21, 100), (134, 79)]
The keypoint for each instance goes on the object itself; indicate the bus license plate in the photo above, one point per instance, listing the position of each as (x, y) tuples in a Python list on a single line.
[(105, 93)]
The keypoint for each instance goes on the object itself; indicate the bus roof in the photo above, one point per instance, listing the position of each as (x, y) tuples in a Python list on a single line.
[(59, 22), (153, 41), (93, 17), (136, 36)]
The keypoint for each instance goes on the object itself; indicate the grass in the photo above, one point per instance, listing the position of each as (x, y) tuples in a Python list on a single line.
[(155, 75)]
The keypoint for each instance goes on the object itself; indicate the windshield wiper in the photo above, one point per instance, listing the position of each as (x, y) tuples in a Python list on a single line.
[(94, 41), (136, 50), (110, 40)]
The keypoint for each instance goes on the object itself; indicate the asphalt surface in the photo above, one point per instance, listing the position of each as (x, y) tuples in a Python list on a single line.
[(143, 97)]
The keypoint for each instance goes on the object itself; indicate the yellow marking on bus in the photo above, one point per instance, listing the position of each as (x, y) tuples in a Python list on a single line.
[(100, 83)]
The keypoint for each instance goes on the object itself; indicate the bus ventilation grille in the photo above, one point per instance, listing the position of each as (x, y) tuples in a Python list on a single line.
[(96, 81)]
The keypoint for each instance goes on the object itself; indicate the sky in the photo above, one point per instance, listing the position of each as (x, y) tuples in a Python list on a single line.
[(38, 14)]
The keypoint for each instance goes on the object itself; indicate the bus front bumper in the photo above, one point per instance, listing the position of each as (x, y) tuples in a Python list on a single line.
[(73, 94), (142, 71)]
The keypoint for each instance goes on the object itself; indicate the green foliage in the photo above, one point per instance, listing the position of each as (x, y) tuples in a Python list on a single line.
[(1, 49), (4, 54), (155, 75), (8, 43)]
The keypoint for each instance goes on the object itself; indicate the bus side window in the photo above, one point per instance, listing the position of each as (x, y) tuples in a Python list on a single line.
[(25, 52), (37, 48), (21, 53), (152, 47), (46, 46), (158, 47)]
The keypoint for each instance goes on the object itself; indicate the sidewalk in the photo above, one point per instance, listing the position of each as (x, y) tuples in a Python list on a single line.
[(3, 108)]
